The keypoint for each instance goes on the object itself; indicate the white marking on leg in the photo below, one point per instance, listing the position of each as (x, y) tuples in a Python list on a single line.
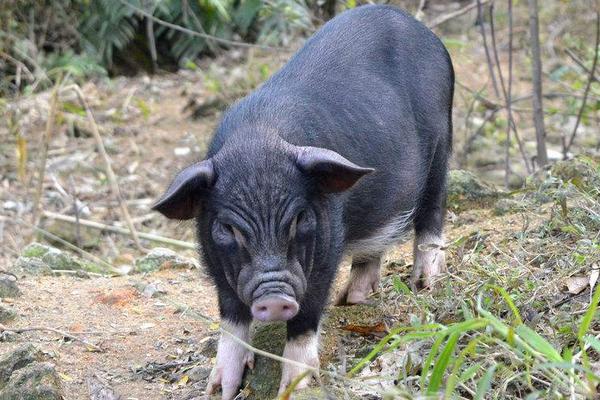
[(232, 359), (303, 349), (364, 280), (429, 258)]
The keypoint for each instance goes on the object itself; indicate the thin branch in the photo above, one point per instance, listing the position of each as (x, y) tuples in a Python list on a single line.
[(194, 33), (50, 122), (420, 10), (486, 48), (446, 17), (507, 101), (117, 229), (507, 169), (536, 72), (587, 88), (112, 179), (579, 62), (59, 332)]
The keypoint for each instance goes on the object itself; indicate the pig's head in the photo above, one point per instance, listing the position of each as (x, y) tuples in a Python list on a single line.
[(264, 214)]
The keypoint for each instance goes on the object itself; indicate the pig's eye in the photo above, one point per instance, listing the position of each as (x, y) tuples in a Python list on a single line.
[(302, 224), (226, 235)]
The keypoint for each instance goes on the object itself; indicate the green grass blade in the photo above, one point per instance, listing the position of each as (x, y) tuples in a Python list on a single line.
[(589, 314), (485, 383), (454, 379), (442, 363), (509, 302), (538, 343)]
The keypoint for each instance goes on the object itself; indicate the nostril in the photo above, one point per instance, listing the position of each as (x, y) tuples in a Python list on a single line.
[(286, 307), (262, 308)]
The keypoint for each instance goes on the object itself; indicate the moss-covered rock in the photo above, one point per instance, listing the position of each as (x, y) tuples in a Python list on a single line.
[(40, 259), (36, 381), (17, 359), (582, 171), (263, 381), (8, 286), (6, 314), (465, 188), (162, 258)]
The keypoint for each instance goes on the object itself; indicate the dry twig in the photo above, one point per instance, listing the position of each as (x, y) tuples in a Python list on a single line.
[(592, 72), (112, 179), (117, 229), (44, 156), (446, 17), (47, 329)]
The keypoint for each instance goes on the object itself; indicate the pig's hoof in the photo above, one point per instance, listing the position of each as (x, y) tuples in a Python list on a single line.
[(364, 280), (227, 374), (303, 349), (428, 265), (355, 295)]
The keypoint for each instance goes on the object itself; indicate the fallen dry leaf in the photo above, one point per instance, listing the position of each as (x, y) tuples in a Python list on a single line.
[(379, 329), (577, 284)]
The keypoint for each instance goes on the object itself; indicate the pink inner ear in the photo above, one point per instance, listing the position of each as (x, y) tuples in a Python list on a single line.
[(333, 172)]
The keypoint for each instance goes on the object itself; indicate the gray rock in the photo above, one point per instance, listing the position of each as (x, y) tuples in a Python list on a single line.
[(8, 286), (464, 187), (153, 290), (507, 206), (36, 381), (162, 258), (199, 373), (6, 314), (17, 359), (32, 266)]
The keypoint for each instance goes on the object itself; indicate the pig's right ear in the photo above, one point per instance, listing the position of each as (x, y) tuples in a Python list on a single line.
[(333, 172), (182, 198)]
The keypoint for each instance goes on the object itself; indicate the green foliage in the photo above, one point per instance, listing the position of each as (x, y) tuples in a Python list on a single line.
[(85, 38)]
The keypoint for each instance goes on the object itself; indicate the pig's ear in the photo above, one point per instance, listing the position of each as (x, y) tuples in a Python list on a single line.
[(182, 198), (333, 172)]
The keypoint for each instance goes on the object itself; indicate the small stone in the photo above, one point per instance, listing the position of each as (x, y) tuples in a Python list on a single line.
[(18, 358), (8, 286), (506, 206), (199, 373), (6, 314), (37, 381), (153, 290), (162, 258)]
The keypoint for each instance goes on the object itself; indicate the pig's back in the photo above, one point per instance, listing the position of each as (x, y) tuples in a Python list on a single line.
[(370, 85)]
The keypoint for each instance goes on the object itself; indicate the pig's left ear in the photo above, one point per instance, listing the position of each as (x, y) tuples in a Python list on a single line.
[(182, 198), (333, 172)]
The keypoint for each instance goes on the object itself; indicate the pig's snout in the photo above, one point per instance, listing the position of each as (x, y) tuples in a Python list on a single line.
[(274, 307)]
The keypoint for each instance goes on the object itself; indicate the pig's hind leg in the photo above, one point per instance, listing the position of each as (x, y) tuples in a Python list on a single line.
[(364, 280), (428, 253)]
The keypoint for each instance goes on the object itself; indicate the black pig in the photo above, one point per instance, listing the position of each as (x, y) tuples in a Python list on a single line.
[(341, 151)]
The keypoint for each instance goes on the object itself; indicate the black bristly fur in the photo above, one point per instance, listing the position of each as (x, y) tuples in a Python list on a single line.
[(375, 86)]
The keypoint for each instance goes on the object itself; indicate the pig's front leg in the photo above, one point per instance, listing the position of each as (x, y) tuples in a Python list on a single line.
[(303, 341), (232, 356)]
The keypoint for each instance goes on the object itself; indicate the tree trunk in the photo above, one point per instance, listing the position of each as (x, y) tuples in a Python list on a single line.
[(538, 111)]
